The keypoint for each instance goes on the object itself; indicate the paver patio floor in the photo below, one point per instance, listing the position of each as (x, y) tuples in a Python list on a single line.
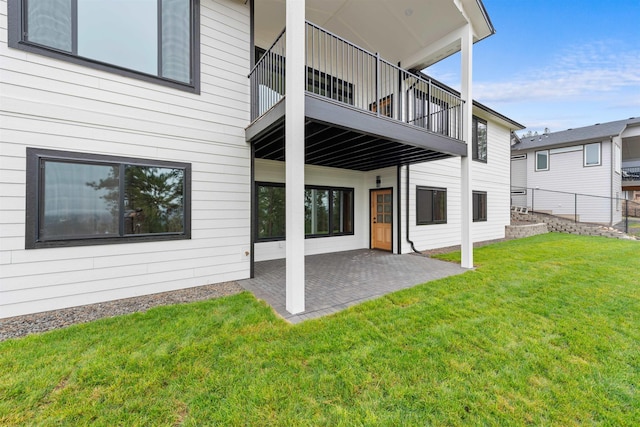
[(338, 280)]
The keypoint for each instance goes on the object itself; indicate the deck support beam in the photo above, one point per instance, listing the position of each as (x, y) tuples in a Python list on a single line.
[(294, 154), (466, 161)]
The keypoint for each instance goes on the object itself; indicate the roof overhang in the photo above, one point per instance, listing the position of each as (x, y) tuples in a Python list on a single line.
[(403, 31)]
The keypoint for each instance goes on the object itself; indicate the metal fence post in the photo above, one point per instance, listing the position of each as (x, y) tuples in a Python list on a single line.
[(575, 207), (626, 216), (533, 196)]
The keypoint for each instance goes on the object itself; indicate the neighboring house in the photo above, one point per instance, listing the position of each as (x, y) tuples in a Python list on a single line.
[(137, 156), (596, 165)]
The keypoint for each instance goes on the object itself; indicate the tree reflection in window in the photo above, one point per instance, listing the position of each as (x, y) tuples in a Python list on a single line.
[(153, 199), (84, 199)]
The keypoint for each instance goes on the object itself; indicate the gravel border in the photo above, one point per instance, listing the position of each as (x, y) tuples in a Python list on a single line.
[(19, 326)]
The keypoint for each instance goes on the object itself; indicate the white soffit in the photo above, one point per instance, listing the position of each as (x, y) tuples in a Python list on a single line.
[(397, 29)]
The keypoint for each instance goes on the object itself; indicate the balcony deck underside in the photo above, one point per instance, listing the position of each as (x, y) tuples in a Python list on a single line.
[(340, 136)]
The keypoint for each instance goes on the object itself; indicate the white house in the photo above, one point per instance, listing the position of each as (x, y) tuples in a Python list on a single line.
[(583, 172), (143, 145)]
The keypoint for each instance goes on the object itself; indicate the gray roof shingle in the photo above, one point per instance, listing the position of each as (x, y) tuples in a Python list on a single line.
[(593, 133)]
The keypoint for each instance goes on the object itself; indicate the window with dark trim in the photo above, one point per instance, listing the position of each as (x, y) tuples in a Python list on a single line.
[(479, 147), (479, 206), (431, 205), (153, 40), (328, 211), (329, 86), (270, 211), (86, 199), (429, 112)]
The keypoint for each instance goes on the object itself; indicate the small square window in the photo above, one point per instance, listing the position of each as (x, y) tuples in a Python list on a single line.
[(431, 205)]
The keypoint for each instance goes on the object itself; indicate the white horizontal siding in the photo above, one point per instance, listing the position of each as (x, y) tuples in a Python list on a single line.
[(53, 104), (568, 176), (492, 177), (271, 171)]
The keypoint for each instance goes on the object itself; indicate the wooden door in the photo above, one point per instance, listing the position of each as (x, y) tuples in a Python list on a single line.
[(381, 219)]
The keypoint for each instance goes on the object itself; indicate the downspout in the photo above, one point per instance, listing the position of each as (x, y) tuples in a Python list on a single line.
[(407, 213), (399, 208), (252, 204), (613, 202)]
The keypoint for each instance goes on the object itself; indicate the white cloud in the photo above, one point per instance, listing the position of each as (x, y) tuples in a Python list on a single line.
[(597, 70)]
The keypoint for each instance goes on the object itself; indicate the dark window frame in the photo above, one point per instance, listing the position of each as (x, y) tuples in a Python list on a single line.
[(477, 196), (330, 189), (434, 192), (475, 141), (335, 88), (256, 220), (17, 40), (35, 195), (429, 112)]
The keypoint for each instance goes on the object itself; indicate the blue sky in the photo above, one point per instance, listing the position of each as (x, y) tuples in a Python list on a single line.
[(557, 64)]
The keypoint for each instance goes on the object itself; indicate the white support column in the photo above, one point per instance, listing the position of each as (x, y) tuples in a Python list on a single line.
[(467, 114), (294, 153)]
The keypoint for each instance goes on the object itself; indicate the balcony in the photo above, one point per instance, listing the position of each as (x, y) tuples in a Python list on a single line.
[(362, 112), (631, 178)]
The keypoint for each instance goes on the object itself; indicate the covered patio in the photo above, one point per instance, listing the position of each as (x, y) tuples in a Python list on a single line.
[(338, 280)]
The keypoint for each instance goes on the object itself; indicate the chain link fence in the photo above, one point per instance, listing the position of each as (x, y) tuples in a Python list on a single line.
[(610, 211)]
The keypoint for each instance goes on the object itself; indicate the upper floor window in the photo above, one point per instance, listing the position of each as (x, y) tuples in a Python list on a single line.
[(82, 199), (542, 160), (479, 139), (147, 39), (592, 154)]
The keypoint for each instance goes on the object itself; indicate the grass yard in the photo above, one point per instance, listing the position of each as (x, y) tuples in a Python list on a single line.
[(546, 331)]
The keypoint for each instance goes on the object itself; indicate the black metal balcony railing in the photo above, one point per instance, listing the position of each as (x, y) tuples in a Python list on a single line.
[(347, 74), (631, 174)]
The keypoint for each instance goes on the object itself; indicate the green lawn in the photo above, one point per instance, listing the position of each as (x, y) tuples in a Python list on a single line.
[(546, 331)]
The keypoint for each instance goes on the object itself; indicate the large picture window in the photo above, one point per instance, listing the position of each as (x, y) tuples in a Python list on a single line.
[(479, 139), (328, 211), (479, 206), (156, 39), (431, 205), (81, 199)]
